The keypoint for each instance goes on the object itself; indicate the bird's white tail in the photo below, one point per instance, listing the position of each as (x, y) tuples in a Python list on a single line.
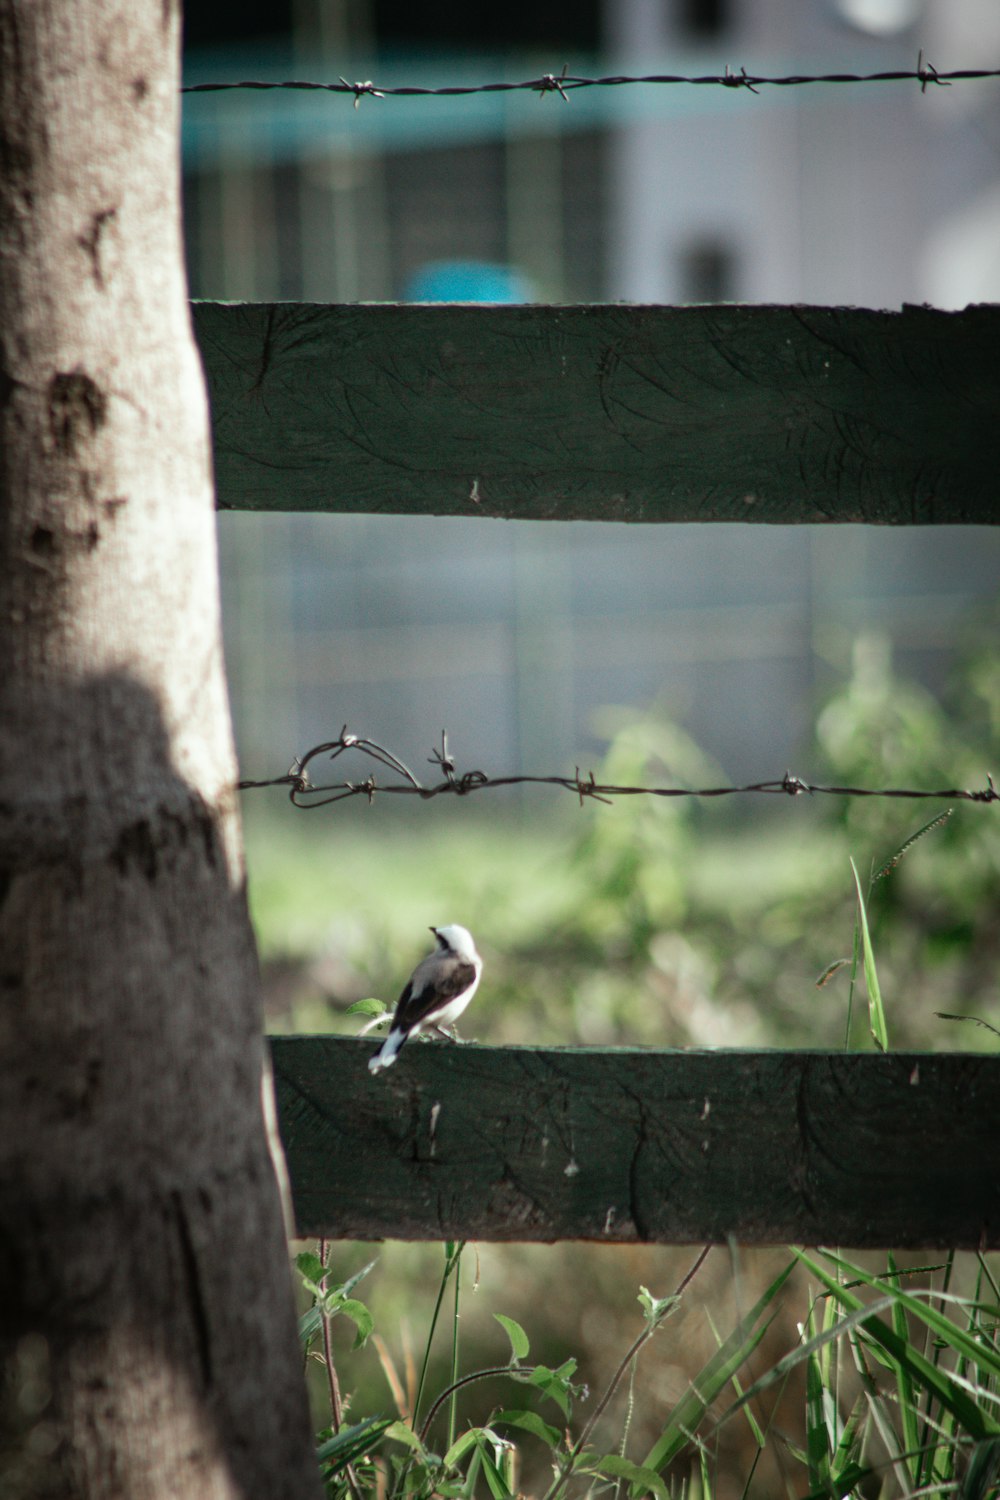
[(386, 1055)]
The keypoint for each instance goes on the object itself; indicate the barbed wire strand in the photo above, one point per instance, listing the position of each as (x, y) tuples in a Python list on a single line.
[(305, 795), (565, 83)]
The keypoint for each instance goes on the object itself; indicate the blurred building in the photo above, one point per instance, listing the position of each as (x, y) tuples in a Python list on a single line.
[(513, 635)]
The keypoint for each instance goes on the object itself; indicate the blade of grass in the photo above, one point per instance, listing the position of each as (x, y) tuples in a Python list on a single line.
[(880, 1410), (855, 956), (980, 1354), (450, 1261), (848, 1451), (980, 1478), (351, 1443), (904, 1382), (643, 1480), (876, 1010), (498, 1486), (453, 1404), (755, 1427), (881, 1334), (934, 1465), (802, 1353), (392, 1376), (817, 1430), (713, 1377)]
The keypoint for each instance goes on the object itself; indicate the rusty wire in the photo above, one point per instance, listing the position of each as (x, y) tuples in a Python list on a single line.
[(565, 83), (304, 794)]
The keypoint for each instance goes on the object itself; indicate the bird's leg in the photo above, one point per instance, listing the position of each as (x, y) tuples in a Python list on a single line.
[(449, 1034)]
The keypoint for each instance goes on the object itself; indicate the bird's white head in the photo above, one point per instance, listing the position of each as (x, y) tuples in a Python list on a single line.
[(457, 940)]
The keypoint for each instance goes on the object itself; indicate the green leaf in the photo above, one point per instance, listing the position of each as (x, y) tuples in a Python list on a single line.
[(644, 1481), (817, 1430), (531, 1422), (556, 1384), (400, 1433), (843, 1483), (849, 1444), (499, 1488), (367, 1008), (876, 1010), (519, 1344), (347, 1287), (310, 1324), (360, 1317), (310, 1267), (707, 1488), (351, 1443), (655, 1309), (461, 1446), (332, 1301)]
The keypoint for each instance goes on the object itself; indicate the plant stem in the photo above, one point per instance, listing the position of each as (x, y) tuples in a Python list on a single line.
[(453, 1411), (854, 975), (452, 1256), (450, 1390), (629, 1410), (336, 1404), (449, 1265), (566, 1467)]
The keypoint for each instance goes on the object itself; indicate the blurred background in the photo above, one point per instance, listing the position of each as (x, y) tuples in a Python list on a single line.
[(511, 634), (671, 654)]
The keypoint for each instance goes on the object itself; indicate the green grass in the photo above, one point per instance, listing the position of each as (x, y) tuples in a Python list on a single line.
[(841, 1379)]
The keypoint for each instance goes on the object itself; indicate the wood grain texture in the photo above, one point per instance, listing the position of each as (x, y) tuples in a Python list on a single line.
[(607, 412), (489, 1143)]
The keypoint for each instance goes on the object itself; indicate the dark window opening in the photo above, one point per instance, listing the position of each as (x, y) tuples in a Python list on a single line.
[(704, 18), (708, 272)]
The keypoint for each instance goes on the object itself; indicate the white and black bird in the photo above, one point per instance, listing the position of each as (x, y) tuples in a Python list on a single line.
[(436, 993)]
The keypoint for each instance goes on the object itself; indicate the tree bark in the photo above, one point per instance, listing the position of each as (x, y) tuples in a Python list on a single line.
[(146, 1318)]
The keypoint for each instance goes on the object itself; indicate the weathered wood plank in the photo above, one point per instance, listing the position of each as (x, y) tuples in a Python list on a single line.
[(483, 1143), (607, 413)]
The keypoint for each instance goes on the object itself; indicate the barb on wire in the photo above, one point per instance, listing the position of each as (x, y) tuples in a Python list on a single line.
[(551, 83), (358, 89), (305, 794), (928, 73), (740, 80)]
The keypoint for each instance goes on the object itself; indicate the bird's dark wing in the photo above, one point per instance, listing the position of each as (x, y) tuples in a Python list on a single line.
[(403, 1005), (414, 1008)]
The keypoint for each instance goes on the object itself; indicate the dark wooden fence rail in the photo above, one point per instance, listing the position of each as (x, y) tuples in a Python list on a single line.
[(628, 1144), (607, 413)]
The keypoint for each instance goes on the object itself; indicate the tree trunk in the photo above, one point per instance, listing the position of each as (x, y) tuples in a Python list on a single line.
[(146, 1319)]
